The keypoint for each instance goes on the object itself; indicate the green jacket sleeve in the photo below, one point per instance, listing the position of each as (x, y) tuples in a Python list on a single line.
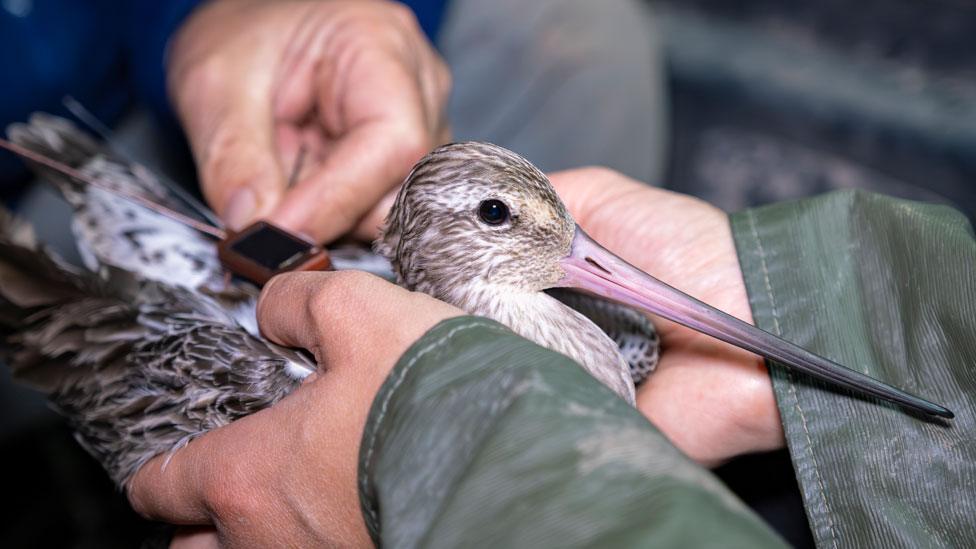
[(887, 287), (481, 438)]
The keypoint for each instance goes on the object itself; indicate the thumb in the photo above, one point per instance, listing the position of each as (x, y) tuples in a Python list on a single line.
[(369, 227), (234, 151)]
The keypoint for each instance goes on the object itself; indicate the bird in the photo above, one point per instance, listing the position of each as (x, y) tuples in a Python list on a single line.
[(480, 227), (149, 344)]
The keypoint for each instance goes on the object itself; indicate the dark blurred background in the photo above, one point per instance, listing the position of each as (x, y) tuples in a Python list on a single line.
[(780, 99), (769, 100)]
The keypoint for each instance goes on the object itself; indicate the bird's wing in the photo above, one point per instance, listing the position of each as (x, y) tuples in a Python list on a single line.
[(138, 367), (112, 230), (633, 332)]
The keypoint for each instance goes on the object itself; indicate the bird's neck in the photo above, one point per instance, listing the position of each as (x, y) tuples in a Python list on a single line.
[(546, 321)]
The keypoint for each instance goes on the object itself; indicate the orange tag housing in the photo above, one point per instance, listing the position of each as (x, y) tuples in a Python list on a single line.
[(262, 250)]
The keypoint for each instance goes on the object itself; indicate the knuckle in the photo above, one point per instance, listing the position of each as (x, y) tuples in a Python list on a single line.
[(413, 142), (321, 304), (272, 292), (336, 295), (193, 78), (284, 296), (353, 281), (445, 81), (231, 497), (601, 172), (403, 15)]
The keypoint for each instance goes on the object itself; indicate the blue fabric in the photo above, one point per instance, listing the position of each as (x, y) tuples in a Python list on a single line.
[(104, 53), (149, 25), (429, 13)]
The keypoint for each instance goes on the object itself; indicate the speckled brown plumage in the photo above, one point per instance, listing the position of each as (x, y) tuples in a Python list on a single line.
[(146, 346), (137, 367)]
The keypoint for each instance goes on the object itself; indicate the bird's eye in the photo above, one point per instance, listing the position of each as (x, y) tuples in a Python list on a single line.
[(493, 212)]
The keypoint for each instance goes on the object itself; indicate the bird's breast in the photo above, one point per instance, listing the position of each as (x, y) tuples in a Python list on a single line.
[(545, 321)]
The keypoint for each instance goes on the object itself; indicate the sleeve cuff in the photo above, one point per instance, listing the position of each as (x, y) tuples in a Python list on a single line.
[(879, 285), (481, 437)]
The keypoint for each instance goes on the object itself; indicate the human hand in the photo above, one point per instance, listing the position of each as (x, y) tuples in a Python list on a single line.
[(355, 83), (714, 401), (287, 476)]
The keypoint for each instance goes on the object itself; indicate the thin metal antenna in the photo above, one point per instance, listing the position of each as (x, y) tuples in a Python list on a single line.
[(120, 150), (142, 201), (297, 168)]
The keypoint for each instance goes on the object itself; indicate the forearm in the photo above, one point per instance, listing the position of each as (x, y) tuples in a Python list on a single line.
[(885, 286), (481, 436)]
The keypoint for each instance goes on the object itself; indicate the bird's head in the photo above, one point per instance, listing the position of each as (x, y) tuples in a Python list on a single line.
[(472, 215)]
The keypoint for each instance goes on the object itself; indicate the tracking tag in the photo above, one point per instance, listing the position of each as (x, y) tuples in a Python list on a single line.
[(262, 250)]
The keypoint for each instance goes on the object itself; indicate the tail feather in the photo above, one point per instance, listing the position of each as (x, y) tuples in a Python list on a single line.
[(111, 230), (30, 275), (55, 137), (63, 141), (43, 301)]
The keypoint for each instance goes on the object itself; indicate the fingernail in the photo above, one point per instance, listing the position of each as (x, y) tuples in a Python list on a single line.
[(240, 208)]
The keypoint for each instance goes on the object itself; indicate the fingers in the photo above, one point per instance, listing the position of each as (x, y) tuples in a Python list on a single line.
[(171, 488), (587, 190), (735, 411), (232, 143), (377, 145), (221, 73), (234, 472), (340, 316), (225, 474), (311, 310), (368, 228), (356, 175), (234, 477), (670, 235), (356, 85), (380, 112)]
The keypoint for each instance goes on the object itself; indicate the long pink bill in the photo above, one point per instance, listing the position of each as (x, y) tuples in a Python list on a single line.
[(592, 268)]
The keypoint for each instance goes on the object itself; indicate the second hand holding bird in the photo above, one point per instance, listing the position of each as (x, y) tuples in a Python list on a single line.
[(713, 400)]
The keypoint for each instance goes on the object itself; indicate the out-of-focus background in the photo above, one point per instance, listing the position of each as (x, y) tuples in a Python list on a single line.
[(764, 101), (775, 100)]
